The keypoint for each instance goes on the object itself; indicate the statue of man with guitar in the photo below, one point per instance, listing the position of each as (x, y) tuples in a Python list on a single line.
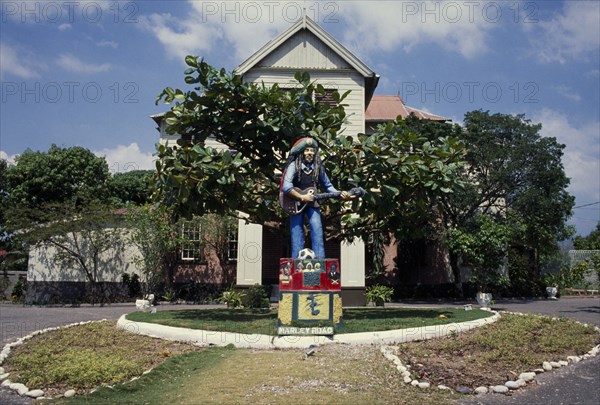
[(302, 175)]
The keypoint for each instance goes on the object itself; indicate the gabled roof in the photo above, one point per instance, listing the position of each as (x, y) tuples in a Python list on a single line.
[(387, 108), (305, 23)]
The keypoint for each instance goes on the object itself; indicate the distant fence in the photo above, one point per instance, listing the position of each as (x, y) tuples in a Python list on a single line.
[(577, 256)]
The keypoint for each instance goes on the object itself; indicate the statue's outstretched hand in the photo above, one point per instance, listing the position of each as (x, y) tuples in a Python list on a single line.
[(346, 196)]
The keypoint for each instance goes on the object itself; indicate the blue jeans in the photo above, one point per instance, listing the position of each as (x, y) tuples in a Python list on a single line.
[(316, 232)]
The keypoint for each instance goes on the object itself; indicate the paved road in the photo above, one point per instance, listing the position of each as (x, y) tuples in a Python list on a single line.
[(577, 384), (20, 320)]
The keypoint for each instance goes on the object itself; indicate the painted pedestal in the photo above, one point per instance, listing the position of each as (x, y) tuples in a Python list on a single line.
[(310, 300)]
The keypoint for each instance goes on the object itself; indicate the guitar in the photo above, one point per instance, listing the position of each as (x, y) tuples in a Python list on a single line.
[(294, 207)]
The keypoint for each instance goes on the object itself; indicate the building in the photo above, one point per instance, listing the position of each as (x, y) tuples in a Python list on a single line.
[(305, 46)]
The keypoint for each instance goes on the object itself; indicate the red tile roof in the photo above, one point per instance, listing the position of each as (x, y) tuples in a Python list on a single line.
[(387, 108)]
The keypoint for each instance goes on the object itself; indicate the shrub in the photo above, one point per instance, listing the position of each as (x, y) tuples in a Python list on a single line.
[(18, 292), (170, 295), (132, 283), (258, 297), (379, 294), (231, 297)]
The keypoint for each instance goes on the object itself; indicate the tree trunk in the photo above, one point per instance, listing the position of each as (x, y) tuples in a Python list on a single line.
[(457, 275)]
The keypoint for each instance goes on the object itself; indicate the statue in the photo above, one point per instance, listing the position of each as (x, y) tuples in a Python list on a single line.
[(302, 174), (309, 284)]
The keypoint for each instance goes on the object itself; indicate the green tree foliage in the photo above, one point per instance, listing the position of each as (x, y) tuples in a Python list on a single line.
[(404, 173), (514, 174), (482, 247), (60, 198), (62, 175), (3, 203), (258, 123), (157, 240), (590, 242), (131, 188)]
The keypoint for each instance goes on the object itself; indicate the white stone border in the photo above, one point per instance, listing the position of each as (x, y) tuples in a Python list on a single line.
[(389, 352), (258, 341), (22, 389)]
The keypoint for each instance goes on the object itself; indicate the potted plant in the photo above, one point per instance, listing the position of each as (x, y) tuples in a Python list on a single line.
[(231, 297), (486, 280), (378, 294), (552, 281)]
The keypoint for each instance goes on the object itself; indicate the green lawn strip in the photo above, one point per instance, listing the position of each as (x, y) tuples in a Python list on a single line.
[(265, 322), (163, 385)]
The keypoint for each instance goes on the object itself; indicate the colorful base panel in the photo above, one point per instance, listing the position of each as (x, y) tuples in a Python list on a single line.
[(309, 312), (309, 274)]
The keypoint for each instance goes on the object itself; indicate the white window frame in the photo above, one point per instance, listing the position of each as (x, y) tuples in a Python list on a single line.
[(232, 242), (193, 248)]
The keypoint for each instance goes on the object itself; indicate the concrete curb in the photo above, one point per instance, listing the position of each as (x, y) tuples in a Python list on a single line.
[(257, 341)]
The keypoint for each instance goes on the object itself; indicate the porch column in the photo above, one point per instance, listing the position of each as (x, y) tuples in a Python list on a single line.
[(249, 260), (352, 263)]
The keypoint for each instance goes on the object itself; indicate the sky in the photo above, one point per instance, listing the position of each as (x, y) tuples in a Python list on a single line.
[(87, 73)]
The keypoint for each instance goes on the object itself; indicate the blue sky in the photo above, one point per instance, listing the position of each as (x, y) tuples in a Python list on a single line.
[(87, 72)]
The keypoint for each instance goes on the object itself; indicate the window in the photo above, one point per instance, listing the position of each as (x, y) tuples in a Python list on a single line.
[(326, 98), (192, 248), (232, 242)]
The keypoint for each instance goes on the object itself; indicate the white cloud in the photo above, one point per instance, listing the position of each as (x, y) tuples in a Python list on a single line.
[(11, 159), (124, 158), (392, 25), (593, 73), (567, 92), (180, 37), (65, 27), (15, 64), (581, 154), (572, 34), (246, 26), (73, 64), (111, 44)]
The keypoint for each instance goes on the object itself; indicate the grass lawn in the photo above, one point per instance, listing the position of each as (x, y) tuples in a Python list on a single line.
[(334, 375), (265, 321)]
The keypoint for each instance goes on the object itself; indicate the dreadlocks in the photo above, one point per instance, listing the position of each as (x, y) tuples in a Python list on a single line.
[(316, 165)]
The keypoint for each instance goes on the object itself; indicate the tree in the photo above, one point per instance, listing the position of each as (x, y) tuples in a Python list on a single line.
[(157, 239), (513, 174), (482, 246), (88, 239), (3, 203), (62, 175), (131, 187), (590, 242), (60, 198), (404, 173)]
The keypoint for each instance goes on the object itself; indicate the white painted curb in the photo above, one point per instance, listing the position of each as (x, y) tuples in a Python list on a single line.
[(257, 341)]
